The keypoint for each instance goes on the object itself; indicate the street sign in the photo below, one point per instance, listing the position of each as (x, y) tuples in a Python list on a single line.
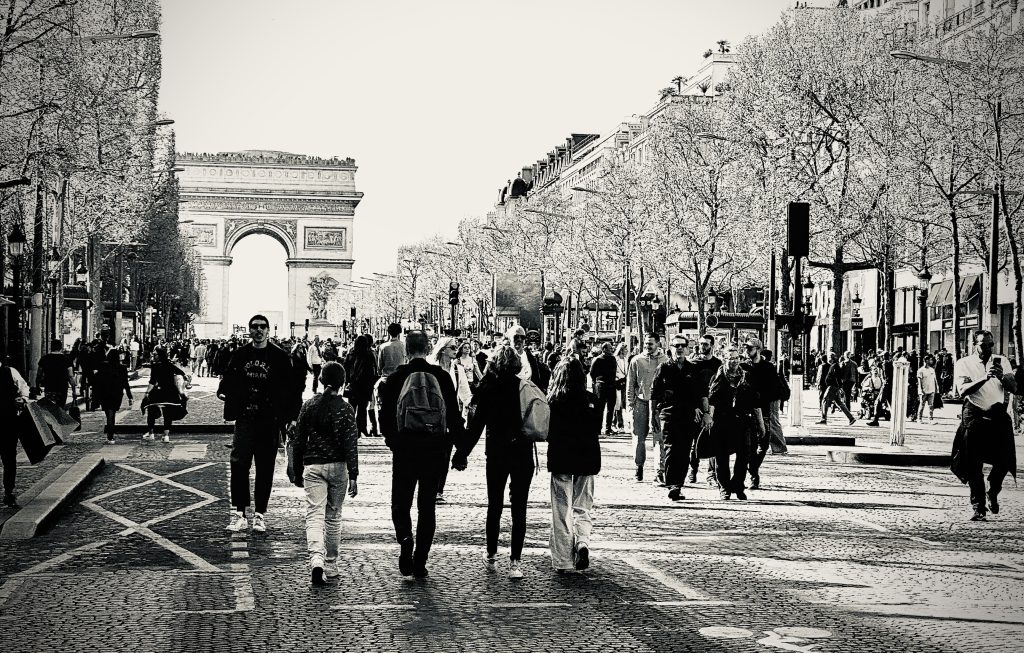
[(857, 323)]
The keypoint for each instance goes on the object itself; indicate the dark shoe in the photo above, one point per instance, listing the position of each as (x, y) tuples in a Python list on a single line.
[(660, 477), (873, 422), (421, 570), (822, 421), (755, 482), (993, 503), (318, 577), (741, 495), (11, 500), (639, 473), (582, 558), (675, 494), (405, 556), (692, 477), (853, 420), (979, 515)]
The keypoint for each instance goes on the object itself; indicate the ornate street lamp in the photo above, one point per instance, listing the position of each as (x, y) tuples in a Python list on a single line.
[(16, 244), (925, 278)]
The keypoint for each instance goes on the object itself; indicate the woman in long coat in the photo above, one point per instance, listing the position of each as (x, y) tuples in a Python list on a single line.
[(361, 370), (110, 387)]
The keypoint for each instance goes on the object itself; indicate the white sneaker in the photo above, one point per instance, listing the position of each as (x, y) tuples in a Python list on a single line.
[(331, 570), (149, 436), (238, 523), (167, 438), (259, 523), (491, 563), (515, 569)]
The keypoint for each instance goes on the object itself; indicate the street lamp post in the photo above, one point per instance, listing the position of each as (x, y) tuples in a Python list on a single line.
[(925, 277), (16, 244)]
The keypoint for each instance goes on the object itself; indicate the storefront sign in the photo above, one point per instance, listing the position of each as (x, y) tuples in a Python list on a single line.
[(857, 323)]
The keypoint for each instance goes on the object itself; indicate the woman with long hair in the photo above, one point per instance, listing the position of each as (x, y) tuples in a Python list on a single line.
[(165, 395), (444, 356), (574, 459), (736, 421), (509, 455), (110, 384), (362, 372), (326, 464), (621, 368), (468, 361)]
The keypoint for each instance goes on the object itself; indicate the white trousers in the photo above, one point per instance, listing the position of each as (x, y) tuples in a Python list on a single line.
[(572, 498), (325, 485)]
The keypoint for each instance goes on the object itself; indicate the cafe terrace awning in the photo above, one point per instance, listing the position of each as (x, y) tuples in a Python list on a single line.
[(942, 293)]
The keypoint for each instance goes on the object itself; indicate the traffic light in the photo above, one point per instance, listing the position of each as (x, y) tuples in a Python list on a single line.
[(307, 324), (353, 312), (453, 293)]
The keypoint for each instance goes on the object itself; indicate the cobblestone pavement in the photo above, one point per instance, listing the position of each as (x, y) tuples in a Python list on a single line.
[(824, 558)]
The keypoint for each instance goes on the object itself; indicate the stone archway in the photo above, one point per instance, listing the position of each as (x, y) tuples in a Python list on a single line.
[(305, 203)]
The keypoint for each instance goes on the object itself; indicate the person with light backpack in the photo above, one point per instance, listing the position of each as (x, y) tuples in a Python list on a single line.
[(419, 419), (516, 415)]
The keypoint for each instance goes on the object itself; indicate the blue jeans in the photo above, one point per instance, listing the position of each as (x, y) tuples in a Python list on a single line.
[(645, 422), (325, 485)]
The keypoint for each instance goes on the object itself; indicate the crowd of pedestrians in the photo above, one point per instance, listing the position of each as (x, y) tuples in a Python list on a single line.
[(433, 399)]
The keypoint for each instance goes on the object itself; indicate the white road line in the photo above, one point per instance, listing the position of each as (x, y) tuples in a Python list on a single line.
[(245, 599), (61, 559), (678, 603), (684, 590), (167, 479), (374, 606), (171, 515), (183, 553)]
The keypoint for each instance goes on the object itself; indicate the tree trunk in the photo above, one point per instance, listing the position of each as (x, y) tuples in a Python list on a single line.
[(954, 221), (785, 269), (1018, 279), (838, 282)]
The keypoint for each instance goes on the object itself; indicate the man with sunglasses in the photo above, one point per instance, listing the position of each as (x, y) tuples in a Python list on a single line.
[(682, 402), (255, 391), (763, 377), (707, 364)]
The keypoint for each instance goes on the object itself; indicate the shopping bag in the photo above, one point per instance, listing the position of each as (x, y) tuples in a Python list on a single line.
[(61, 423), (35, 435)]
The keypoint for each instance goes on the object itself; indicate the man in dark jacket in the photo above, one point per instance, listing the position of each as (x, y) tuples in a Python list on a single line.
[(602, 372), (832, 381), (418, 456), (256, 389), (763, 377), (681, 398)]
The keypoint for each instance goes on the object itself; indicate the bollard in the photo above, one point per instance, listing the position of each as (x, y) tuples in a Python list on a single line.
[(900, 377), (796, 407)]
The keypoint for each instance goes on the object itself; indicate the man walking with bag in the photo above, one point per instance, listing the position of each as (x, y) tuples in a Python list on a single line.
[(419, 419)]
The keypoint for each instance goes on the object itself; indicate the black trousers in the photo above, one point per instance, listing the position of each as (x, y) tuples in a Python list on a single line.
[(253, 441), (606, 404), (446, 464), (9, 456), (678, 448), (757, 451), (316, 376), (411, 467), (502, 470)]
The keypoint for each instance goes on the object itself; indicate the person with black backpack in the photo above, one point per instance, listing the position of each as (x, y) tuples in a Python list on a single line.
[(419, 418), (510, 455)]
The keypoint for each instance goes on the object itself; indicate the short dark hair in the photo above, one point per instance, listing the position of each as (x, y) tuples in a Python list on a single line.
[(417, 344), (394, 329), (56, 344), (981, 333), (258, 317), (710, 338)]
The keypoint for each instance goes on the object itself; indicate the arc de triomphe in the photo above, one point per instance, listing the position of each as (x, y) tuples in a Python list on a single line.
[(306, 203)]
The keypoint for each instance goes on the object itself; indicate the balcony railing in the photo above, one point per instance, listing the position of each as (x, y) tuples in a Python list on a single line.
[(959, 19)]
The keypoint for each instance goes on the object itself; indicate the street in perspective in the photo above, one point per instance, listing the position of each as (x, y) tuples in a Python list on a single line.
[(568, 326)]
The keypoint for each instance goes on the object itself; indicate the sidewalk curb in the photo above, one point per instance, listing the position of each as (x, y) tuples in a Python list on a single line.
[(198, 429), (55, 489), (822, 440), (889, 458)]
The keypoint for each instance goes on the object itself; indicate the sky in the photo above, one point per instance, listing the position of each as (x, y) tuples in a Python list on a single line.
[(439, 102)]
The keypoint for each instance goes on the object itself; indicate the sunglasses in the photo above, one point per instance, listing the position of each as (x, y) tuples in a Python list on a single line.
[(680, 345), (259, 326)]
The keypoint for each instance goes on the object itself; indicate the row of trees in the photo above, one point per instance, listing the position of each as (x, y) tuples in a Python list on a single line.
[(84, 158), (891, 153)]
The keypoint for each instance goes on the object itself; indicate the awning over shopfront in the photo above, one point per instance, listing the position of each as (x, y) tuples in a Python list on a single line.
[(942, 293)]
